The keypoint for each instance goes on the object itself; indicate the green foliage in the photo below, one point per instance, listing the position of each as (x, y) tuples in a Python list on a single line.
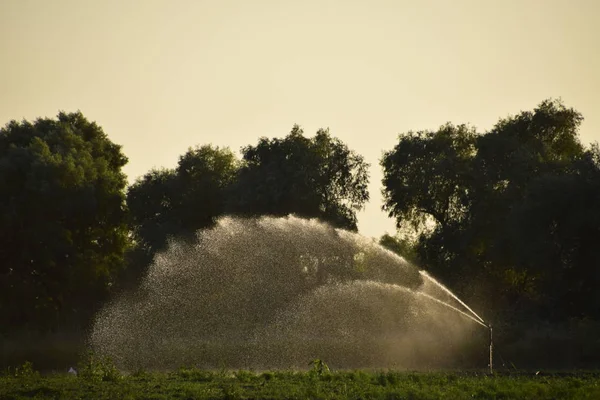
[(231, 391), (25, 371), (63, 227), (301, 385), (386, 378), (195, 374), (556, 228), (267, 376), (245, 376), (98, 368), (426, 175), (316, 178), (509, 217), (319, 368)]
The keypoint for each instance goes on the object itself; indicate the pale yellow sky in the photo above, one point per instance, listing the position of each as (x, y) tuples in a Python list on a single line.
[(160, 76)]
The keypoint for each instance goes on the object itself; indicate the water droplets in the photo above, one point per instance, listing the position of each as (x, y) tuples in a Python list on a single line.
[(276, 292)]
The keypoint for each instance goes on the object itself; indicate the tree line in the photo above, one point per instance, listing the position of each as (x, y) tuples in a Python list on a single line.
[(509, 215)]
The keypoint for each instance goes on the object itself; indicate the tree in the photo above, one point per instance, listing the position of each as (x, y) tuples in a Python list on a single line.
[(520, 153), (506, 208), (63, 227), (555, 231), (427, 187), (427, 176), (517, 152), (176, 203), (313, 178)]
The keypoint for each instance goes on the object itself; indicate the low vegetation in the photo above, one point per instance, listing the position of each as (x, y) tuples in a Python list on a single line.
[(96, 380)]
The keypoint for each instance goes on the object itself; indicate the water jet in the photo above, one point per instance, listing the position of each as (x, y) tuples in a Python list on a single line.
[(446, 290)]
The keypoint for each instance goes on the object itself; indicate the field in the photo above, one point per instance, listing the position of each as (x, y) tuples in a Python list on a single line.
[(318, 383)]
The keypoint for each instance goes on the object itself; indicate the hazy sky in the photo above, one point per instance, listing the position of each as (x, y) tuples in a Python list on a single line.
[(160, 76)]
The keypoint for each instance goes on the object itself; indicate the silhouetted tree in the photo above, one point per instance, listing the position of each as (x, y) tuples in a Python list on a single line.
[(554, 235), (427, 176), (63, 227), (317, 178), (504, 209)]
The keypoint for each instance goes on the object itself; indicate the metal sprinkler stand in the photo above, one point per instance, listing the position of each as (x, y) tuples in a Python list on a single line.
[(491, 351)]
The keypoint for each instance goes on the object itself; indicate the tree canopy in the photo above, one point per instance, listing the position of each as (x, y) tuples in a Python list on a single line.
[(513, 210), (176, 203), (63, 229), (316, 177), (427, 175)]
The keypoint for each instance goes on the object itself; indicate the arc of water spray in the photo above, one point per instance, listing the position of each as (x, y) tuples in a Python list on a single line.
[(451, 307), (479, 320), (445, 289)]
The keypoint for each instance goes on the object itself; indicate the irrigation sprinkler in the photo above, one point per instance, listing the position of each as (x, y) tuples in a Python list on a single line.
[(491, 350)]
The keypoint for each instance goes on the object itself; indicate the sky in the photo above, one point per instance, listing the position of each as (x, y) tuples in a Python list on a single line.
[(161, 76)]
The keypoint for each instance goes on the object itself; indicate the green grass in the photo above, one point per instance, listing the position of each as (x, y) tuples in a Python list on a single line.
[(316, 384)]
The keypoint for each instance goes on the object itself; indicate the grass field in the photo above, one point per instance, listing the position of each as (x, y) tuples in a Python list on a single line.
[(99, 383)]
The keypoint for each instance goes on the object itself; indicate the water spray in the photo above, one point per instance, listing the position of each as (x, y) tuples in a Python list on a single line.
[(477, 318), (248, 293), (449, 306), (449, 292)]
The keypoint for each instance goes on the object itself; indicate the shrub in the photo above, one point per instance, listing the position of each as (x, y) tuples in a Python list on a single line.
[(98, 369)]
